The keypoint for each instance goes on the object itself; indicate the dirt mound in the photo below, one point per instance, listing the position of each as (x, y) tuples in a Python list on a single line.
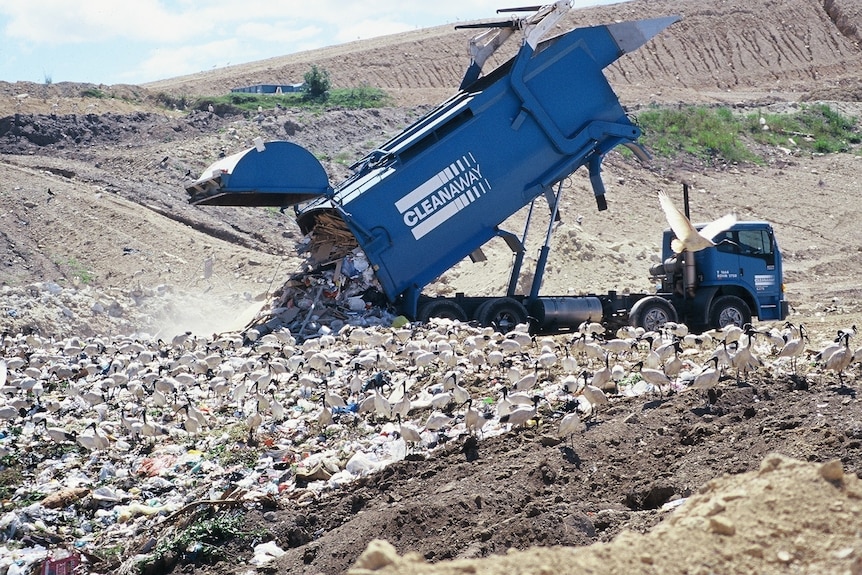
[(754, 522)]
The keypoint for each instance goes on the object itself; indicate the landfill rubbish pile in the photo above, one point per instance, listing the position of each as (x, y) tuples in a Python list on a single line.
[(136, 454), (76, 310), (103, 439)]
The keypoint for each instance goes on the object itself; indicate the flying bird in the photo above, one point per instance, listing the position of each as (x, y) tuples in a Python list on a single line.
[(687, 237)]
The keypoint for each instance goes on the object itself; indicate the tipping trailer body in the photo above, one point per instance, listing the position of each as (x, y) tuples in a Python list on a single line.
[(439, 190)]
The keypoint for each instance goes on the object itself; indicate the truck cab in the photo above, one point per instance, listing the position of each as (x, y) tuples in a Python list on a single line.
[(739, 278)]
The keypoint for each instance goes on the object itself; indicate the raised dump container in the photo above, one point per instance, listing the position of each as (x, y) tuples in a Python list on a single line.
[(438, 191)]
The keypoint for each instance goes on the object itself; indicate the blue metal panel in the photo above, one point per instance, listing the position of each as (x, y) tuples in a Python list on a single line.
[(275, 174)]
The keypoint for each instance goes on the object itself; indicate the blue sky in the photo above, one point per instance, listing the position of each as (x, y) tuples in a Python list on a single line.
[(117, 42)]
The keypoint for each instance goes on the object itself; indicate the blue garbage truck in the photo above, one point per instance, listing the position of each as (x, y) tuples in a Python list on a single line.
[(442, 188)]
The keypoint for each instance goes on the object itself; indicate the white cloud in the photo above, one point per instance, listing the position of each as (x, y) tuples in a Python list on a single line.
[(285, 33), (189, 59), (56, 22)]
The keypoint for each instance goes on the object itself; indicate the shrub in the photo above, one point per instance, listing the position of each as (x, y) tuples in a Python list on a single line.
[(316, 82)]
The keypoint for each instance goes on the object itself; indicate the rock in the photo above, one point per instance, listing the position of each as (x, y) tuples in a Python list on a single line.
[(377, 555), (549, 440), (832, 470), (722, 525)]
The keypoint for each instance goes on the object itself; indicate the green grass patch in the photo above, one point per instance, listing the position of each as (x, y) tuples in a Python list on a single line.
[(709, 134), (78, 271), (202, 540), (349, 98), (112, 555), (173, 102), (235, 450), (716, 135), (358, 98), (344, 158), (93, 93), (816, 128)]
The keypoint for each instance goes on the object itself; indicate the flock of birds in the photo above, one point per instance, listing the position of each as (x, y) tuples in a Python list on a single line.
[(426, 383), (84, 414), (446, 377)]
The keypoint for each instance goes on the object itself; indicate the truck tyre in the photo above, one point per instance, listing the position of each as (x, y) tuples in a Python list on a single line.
[(442, 308), (480, 310), (503, 314), (651, 313), (729, 310)]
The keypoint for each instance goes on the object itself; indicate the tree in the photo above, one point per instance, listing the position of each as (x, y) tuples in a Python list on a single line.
[(316, 82)]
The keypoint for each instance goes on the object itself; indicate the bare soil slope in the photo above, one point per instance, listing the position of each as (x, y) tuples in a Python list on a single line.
[(724, 51), (91, 197)]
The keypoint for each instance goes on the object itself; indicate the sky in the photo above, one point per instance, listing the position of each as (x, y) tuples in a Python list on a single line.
[(117, 42)]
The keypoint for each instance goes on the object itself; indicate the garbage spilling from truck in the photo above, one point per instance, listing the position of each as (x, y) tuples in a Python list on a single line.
[(335, 286)]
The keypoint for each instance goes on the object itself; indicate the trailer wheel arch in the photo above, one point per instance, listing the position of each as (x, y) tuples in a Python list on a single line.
[(443, 308), (651, 313), (729, 309), (502, 313)]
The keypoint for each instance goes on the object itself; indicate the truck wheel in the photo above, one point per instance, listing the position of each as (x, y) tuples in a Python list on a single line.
[(652, 313), (503, 314), (443, 308), (729, 310), (480, 311)]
